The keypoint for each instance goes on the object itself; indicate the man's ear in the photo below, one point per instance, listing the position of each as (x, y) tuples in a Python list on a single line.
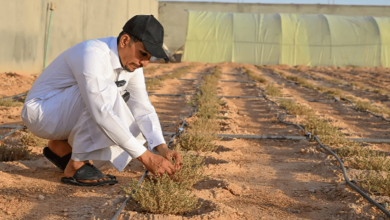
[(124, 41)]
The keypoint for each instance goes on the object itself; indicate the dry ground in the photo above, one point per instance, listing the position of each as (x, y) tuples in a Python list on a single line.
[(248, 179)]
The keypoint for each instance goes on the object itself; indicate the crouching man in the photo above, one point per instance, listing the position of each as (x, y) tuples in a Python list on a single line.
[(91, 103)]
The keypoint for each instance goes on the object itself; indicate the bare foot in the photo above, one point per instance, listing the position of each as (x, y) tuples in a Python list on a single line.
[(59, 148), (73, 166)]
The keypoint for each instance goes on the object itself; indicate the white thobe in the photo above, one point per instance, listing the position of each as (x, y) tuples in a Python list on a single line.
[(76, 99)]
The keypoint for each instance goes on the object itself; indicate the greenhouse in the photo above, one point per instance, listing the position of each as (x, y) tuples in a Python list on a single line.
[(292, 39)]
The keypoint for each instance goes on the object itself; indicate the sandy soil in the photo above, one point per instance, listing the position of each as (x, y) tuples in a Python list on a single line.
[(249, 179)]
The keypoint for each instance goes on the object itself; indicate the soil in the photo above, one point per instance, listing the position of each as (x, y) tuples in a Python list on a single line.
[(248, 179)]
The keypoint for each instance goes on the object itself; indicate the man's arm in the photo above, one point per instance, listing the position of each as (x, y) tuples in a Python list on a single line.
[(147, 118)]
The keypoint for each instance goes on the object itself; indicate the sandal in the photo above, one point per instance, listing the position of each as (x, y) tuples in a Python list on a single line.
[(89, 172)]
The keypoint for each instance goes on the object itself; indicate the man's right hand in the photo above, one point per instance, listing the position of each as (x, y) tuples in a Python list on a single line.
[(156, 163)]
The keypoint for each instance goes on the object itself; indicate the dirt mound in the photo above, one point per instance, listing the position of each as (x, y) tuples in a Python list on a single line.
[(13, 83)]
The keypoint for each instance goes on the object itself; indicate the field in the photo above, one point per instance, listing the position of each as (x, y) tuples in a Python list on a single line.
[(246, 178)]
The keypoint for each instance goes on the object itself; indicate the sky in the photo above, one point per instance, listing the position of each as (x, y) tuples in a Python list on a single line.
[(342, 2)]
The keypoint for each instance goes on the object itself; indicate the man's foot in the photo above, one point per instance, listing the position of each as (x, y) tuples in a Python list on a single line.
[(59, 148), (72, 168)]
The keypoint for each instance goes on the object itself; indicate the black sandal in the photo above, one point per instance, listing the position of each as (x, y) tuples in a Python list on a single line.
[(60, 162), (89, 172)]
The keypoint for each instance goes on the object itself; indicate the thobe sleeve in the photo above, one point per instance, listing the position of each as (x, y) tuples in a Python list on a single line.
[(143, 111), (99, 95)]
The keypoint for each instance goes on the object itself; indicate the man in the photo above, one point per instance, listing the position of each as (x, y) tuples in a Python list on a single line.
[(79, 104)]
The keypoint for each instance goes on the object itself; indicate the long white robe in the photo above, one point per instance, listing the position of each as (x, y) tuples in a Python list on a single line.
[(76, 99)]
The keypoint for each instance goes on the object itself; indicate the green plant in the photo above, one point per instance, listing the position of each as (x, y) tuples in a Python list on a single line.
[(351, 151), (192, 169), (153, 83), (377, 183), (296, 109), (379, 91), (12, 153), (150, 70), (206, 100), (361, 105), (200, 135), (9, 103), (327, 133), (30, 139), (254, 76), (162, 195), (273, 90), (301, 81), (372, 162)]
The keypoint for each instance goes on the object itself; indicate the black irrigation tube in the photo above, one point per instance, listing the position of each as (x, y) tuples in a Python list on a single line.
[(14, 97), (309, 135), (15, 128)]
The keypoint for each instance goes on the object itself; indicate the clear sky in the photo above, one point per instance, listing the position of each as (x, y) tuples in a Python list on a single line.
[(343, 2)]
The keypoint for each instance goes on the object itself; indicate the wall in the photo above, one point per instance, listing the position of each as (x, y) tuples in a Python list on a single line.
[(24, 24), (173, 15)]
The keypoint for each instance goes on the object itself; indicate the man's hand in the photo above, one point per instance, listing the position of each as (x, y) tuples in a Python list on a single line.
[(169, 155), (156, 164)]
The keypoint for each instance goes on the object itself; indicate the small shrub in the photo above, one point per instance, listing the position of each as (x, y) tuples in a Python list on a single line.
[(361, 105), (379, 91), (327, 133), (377, 183), (30, 139), (301, 81), (151, 70), (254, 76), (162, 195), (206, 100), (200, 135), (336, 81), (192, 170), (280, 73), (12, 153), (352, 151), (296, 109), (272, 90), (10, 103), (372, 162), (333, 92), (153, 83)]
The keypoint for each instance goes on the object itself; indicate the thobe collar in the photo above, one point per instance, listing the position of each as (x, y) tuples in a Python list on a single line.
[(114, 56)]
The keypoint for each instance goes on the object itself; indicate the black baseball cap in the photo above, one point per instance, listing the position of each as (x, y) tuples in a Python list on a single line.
[(150, 32)]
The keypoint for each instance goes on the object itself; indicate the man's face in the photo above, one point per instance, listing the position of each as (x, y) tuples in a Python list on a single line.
[(132, 56)]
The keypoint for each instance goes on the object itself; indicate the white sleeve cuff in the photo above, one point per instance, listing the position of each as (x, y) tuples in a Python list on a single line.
[(134, 148), (155, 139)]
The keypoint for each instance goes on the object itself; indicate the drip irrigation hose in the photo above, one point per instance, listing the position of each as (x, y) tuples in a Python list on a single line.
[(309, 135), (16, 128), (14, 97)]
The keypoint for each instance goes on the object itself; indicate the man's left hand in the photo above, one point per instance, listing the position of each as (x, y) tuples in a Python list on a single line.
[(170, 154)]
